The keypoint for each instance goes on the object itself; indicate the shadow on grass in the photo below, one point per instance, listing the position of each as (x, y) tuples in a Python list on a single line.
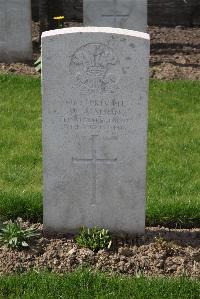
[(28, 206)]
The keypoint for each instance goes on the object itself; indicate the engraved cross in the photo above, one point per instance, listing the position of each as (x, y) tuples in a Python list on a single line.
[(115, 15), (94, 161)]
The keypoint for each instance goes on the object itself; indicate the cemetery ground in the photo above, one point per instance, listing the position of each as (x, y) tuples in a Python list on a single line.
[(159, 264), (175, 53), (165, 262)]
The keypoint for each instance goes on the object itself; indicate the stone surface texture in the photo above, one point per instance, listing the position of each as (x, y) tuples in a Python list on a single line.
[(95, 85), (15, 30), (128, 14)]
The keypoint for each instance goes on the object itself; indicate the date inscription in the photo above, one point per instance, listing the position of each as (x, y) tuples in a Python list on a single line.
[(91, 114)]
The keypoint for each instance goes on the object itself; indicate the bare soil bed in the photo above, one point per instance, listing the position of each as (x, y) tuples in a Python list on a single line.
[(160, 252), (175, 53)]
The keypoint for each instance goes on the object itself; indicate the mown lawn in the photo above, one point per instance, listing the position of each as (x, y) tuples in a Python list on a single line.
[(173, 180), (20, 148), (84, 284), (173, 184)]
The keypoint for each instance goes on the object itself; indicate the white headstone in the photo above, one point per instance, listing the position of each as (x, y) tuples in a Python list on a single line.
[(15, 30), (128, 14), (95, 84)]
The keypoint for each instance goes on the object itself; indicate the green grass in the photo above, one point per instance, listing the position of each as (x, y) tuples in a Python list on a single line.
[(173, 187), (173, 157), (84, 284), (20, 148)]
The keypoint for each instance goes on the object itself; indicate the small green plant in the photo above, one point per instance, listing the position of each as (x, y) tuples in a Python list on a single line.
[(60, 21), (16, 237), (60, 24), (38, 65), (94, 238)]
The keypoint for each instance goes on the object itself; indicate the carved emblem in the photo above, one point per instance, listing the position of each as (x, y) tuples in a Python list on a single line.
[(95, 67)]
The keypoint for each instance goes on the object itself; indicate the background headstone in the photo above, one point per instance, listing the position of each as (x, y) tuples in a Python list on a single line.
[(15, 30), (128, 14), (95, 83), (160, 12)]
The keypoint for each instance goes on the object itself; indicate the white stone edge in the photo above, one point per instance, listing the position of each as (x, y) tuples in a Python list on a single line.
[(96, 30)]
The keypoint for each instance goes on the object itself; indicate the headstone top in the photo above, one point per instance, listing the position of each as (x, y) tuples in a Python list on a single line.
[(128, 14), (109, 30), (15, 30)]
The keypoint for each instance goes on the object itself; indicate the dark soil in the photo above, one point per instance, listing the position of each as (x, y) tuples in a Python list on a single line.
[(160, 252), (175, 53)]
